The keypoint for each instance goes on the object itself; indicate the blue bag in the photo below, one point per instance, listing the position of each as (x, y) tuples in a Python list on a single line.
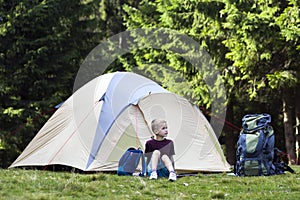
[(129, 162), (255, 147)]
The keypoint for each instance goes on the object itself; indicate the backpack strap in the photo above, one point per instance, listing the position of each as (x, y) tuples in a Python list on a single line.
[(254, 122)]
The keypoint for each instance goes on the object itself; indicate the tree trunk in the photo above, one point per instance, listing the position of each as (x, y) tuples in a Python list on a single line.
[(230, 138), (287, 100), (297, 114)]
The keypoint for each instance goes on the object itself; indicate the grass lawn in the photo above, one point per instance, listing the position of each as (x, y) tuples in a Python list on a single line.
[(36, 184)]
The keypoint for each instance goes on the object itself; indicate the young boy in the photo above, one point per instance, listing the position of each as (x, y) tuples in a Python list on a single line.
[(159, 152)]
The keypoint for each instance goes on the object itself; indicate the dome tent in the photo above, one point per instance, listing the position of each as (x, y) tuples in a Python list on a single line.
[(92, 128)]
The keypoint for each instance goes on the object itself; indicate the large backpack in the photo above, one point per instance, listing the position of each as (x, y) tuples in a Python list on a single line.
[(129, 162), (255, 147)]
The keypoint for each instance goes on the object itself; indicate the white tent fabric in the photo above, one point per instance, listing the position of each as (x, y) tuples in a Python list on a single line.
[(94, 127)]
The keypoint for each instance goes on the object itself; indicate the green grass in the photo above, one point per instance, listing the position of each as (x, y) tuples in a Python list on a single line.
[(35, 184)]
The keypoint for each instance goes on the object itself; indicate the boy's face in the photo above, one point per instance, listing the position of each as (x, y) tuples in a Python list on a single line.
[(162, 130)]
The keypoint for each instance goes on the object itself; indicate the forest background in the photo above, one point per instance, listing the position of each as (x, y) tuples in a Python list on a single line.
[(254, 45)]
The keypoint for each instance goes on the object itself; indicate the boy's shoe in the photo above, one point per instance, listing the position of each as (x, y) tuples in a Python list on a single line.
[(153, 175), (172, 176)]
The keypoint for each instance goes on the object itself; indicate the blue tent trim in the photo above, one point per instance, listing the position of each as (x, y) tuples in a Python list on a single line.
[(59, 105)]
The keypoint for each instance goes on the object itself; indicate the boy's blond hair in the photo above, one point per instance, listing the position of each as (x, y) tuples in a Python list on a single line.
[(155, 124)]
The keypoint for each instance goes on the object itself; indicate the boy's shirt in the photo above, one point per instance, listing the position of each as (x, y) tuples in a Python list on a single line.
[(165, 146)]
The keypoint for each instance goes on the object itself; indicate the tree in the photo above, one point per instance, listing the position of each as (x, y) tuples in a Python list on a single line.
[(291, 32), (263, 49), (200, 21), (177, 18), (254, 45), (42, 45)]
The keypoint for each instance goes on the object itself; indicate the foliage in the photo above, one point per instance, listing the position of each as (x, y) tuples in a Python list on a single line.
[(42, 44), (253, 45), (263, 47), (243, 39), (34, 184), (261, 44)]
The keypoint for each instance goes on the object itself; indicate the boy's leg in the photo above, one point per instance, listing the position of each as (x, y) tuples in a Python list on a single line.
[(155, 158), (161, 170), (169, 165), (161, 166), (153, 164)]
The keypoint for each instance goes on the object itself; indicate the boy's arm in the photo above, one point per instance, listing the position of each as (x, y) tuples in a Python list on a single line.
[(172, 160), (148, 158), (147, 153), (171, 156)]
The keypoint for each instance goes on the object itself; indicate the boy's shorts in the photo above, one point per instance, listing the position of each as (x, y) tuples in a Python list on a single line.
[(161, 170)]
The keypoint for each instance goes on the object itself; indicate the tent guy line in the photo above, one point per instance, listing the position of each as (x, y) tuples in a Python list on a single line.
[(68, 139)]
